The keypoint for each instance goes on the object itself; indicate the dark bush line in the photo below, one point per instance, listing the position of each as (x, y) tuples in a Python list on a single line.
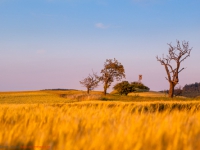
[(59, 90)]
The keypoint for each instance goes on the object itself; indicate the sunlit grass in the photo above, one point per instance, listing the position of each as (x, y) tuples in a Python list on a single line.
[(149, 94), (102, 125), (53, 119), (35, 97), (32, 97)]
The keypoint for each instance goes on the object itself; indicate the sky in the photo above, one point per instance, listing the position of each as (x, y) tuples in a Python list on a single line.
[(46, 44)]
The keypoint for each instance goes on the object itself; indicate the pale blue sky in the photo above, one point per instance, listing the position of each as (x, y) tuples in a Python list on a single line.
[(56, 43)]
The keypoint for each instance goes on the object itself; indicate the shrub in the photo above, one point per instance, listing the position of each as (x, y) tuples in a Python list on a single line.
[(124, 87), (140, 86)]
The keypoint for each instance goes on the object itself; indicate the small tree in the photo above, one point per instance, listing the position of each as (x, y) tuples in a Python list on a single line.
[(112, 70), (177, 55), (123, 87), (90, 82)]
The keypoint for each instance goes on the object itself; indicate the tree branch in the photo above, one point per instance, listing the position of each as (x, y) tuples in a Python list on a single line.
[(181, 70), (177, 54)]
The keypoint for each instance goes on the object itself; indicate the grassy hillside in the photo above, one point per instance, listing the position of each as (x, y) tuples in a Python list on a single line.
[(148, 94), (32, 97), (35, 97), (144, 94), (57, 120)]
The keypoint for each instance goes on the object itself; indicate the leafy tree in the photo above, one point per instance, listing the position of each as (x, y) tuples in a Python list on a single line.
[(139, 85), (90, 82), (124, 87), (177, 54), (112, 70)]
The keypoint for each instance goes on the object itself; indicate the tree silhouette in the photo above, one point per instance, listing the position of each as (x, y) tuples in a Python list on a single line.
[(90, 82), (112, 70), (177, 55)]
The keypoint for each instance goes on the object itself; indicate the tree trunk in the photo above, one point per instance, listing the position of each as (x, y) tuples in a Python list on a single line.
[(171, 90), (88, 90), (105, 90)]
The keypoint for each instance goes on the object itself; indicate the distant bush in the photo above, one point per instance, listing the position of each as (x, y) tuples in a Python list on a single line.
[(59, 90), (191, 90), (141, 90), (124, 87), (139, 86)]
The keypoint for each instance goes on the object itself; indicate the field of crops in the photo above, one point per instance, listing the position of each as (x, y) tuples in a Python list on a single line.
[(52, 120)]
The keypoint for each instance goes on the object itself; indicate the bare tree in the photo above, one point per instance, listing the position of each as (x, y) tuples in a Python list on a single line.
[(90, 82), (112, 70), (177, 55)]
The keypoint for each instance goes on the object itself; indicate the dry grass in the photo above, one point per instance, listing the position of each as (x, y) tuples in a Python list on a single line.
[(35, 97), (149, 94), (90, 125)]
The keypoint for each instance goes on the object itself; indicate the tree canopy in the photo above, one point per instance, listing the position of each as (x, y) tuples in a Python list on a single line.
[(124, 87), (139, 85), (90, 82), (113, 70)]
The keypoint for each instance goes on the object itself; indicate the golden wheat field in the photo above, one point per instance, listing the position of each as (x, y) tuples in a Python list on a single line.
[(72, 120)]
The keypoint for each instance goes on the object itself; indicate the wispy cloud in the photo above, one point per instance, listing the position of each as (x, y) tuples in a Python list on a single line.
[(101, 26)]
